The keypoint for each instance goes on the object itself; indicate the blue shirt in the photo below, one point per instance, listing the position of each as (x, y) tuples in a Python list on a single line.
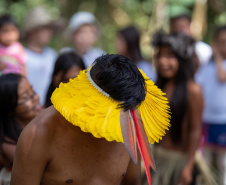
[(148, 69), (214, 93)]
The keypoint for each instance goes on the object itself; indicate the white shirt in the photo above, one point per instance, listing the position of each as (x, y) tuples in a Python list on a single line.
[(39, 68), (203, 51), (214, 93)]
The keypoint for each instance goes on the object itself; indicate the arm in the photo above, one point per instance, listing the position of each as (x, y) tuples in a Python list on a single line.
[(133, 173), (9, 150), (221, 73), (195, 108), (31, 156)]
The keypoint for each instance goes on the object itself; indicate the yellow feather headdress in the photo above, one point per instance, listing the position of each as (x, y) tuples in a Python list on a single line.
[(83, 104)]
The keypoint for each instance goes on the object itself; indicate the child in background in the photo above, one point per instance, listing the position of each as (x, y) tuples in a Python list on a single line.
[(128, 44), (83, 31), (212, 78), (12, 54), (67, 67)]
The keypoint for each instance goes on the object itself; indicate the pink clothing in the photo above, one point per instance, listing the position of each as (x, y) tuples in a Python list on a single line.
[(13, 58)]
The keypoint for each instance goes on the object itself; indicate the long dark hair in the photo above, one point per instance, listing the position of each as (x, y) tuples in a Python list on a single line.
[(132, 38), (63, 63), (182, 47), (9, 128)]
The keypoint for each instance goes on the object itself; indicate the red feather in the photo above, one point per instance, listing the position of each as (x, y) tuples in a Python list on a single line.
[(144, 147), (129, 134)]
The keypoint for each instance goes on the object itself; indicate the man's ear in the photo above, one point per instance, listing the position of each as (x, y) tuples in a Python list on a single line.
[(57, 78)]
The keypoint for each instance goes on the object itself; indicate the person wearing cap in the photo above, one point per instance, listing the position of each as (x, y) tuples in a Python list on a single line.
[(84, 30), (38, 29), (99, 126)]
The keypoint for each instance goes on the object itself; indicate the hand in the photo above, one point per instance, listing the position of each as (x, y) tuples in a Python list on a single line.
[(186, 176)]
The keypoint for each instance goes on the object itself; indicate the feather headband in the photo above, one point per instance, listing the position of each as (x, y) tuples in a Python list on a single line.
[(84, 104)]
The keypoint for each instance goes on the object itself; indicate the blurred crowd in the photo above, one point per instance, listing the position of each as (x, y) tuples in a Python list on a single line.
[(190, 72)]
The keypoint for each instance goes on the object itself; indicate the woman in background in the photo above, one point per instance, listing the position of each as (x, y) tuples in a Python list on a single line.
[(19, 104), (174, 65), (67, 66), (128, 44)]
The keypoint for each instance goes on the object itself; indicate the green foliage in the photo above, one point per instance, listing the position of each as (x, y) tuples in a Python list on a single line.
[(114, 15)]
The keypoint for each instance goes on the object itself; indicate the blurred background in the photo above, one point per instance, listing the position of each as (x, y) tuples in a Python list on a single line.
[(147, 15)]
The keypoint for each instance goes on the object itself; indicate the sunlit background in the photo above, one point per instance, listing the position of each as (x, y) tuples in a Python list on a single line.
[(147, 15)]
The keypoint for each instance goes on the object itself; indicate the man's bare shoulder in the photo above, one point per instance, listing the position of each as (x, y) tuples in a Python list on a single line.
[(43, 127)]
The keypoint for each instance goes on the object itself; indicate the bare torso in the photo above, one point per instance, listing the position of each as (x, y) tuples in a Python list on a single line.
[(167, 141), (75, 157)]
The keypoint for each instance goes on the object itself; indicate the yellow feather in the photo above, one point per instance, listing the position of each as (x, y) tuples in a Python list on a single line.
[(154, 112), (84, 106)]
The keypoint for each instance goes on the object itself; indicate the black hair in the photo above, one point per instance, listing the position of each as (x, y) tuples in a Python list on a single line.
[(183, 47), (120, 78), (132, 38), (9, 128), (6, 19), (181, 16), (63, 63), (218, 30)]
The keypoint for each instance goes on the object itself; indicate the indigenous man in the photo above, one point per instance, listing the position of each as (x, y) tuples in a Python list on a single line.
[(79, 140)]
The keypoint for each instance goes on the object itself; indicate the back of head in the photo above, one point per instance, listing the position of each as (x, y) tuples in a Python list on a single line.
[(66, 61), (63, 63), (132, 38), (8, 93), (120, 78), (8, 103), (6, 19)]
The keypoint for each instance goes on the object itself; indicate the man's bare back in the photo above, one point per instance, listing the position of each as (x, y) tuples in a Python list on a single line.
[(52, 151)]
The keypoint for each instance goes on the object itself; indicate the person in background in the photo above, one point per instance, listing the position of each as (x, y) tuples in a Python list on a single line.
[(38, 30), (19, 104), (212, 78), (83, 30), (175, 153), (67, 67), (128, 44), (182, 23), (12, 54)]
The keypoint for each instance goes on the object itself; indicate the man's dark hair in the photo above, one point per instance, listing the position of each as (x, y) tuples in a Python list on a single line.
[(218, 30), (120, 78), (181, 16), (6, 19)]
